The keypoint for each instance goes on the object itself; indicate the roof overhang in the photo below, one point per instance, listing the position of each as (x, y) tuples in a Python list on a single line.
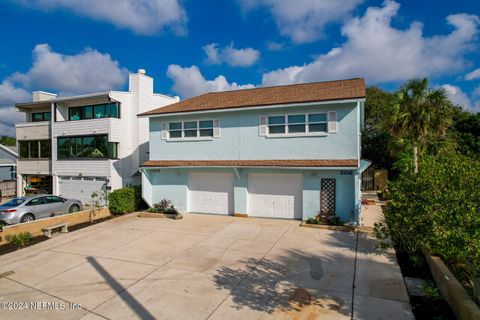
[(8, 150), (262, 107), (47, 103), (333, 164), (364, 164)]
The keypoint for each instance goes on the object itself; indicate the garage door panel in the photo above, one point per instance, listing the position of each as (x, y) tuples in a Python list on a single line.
[(81, 188), (275, 195), (211, 193)]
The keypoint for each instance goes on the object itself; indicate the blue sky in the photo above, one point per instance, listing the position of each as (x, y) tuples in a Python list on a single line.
[(190, 47)]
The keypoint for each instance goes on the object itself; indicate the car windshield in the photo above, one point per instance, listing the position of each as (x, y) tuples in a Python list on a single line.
[(14, 202)]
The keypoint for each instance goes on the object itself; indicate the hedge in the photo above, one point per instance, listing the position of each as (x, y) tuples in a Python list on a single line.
[(122, 200), (439, 210), (126, 200)]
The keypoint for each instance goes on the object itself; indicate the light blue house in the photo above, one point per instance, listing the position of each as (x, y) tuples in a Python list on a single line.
[(278, 152)]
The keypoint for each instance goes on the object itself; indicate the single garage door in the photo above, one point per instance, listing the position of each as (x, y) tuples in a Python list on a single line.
[(81, 188), (275, 195), (211, 193)]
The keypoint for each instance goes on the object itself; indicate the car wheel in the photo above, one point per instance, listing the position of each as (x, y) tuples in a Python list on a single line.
[(28, 217), (74, 208)]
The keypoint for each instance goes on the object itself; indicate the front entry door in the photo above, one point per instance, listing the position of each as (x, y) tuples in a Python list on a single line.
[(327, 197)]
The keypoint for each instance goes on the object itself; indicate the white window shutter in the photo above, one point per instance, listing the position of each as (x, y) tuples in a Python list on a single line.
[(163, 126), (262, 125), (216, 128), (332, 121)]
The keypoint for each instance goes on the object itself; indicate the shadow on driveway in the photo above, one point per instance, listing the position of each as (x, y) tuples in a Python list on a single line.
[(287, 286), (130, 300)]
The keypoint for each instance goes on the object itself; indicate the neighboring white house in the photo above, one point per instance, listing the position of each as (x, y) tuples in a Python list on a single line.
[(74, 146)]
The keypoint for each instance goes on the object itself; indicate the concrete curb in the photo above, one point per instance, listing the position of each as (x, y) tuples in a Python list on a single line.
[(327, 227), (151, 215), (160, 215), (457, 297), (367, 230), (35, 227)]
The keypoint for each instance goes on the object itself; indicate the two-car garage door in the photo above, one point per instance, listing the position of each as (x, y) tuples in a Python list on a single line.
[(275, 196)]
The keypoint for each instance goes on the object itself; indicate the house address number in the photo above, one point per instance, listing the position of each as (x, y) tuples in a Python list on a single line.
[(346, 172)]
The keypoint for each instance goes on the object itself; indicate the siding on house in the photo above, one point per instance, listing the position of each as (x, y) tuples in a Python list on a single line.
[(239, 137)]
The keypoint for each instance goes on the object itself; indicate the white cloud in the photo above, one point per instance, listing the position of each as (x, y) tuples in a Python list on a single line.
[(140, 16), (234, 57), (85, 72), (8, 117), (9, 94), (457, 96), (189, 82), (376, 50), (274, 46), (303, 20), (475, 74)]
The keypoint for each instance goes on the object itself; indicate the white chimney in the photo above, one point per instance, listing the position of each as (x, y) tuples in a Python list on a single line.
[(141, 71), (42, 96)]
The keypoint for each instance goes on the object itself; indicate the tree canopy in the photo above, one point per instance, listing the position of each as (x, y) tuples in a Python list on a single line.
[(8, 141)]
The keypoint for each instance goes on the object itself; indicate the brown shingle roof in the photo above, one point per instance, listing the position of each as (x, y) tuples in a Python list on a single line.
[(252, 163), (296, 93)]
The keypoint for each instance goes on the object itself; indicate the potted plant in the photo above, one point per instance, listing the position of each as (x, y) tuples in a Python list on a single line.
[(166, 208)]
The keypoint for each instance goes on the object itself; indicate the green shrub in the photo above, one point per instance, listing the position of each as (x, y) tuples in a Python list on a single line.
[(326, 220), (438, 210), (164, 206), (122, 200), (19, 239)]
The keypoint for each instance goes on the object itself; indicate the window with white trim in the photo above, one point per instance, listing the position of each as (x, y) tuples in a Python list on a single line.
[(317, 122), (298, 124), (191, 129)]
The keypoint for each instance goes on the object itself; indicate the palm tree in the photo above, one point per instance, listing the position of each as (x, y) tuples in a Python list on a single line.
[(418, 114)]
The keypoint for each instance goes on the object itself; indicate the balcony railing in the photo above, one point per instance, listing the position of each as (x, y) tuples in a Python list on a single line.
[(33, 130), (32, 124)]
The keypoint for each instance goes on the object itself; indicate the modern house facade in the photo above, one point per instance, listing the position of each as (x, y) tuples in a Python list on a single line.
[(74, 146), (277, 152)]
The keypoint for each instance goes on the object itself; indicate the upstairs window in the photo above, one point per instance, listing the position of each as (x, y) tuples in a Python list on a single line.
[(276, 125), (109, 110), (87, 147), (317, 122), (297, 124), (206, 128), (41, 116), (188, 130), (35, 149), (175, 130)]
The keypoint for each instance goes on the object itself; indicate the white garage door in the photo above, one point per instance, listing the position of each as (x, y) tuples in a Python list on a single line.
[(81, 188), (275, 195), (211, 193)]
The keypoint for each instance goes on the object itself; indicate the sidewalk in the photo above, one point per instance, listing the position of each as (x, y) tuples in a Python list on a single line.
[(379, 288)]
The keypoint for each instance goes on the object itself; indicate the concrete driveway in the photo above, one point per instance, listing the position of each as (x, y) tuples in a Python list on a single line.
[(202, 267)]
